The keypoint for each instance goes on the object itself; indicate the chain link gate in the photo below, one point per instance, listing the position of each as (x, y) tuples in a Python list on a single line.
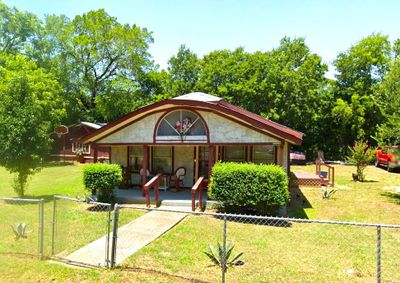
[(81, 232)]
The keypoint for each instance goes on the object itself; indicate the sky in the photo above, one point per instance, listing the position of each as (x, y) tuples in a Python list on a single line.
[(328, 26)]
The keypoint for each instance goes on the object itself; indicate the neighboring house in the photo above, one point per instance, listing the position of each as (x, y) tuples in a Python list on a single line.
[(192, 131), (67, 146)]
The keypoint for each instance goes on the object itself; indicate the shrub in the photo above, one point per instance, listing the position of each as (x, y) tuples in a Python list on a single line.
[(362, 155), (245, 186), (103, 178)]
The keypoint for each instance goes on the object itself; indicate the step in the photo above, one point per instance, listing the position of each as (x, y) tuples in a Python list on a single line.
[(178, 203)]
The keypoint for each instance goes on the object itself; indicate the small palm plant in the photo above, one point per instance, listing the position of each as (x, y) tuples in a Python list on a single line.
[(224, 262), (327, 193), (21, 230)]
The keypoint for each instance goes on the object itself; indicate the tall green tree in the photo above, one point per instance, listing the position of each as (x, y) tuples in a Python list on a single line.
[(30, 108), (184, 70), (388, 94), (286, 85), (96, 55), (360, 69), (18, 30)]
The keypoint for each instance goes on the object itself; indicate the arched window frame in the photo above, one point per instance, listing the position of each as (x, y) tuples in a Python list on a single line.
[(181, 138)]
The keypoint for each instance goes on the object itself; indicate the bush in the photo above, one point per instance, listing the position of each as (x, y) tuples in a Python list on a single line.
[(242, 187), (103, 178), (361, 155)]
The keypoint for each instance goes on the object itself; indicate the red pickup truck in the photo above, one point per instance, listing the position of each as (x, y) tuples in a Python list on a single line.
[(388, 156)]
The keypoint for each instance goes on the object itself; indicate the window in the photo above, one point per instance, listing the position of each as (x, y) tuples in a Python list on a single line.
[(181, 125), (136, 157), (162, 159), (264, 154), (235, 153), (203, 160), (85, 148)]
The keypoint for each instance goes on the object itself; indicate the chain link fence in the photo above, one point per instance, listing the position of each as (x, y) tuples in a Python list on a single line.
[(173, 243), (22, 226), (274, 249), (81, 231)]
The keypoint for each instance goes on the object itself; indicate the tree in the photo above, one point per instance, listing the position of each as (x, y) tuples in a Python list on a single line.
[(360, 69), (184, 69), (18, 29), (95, 55), (31, 107), (388, 95), (286, 85)]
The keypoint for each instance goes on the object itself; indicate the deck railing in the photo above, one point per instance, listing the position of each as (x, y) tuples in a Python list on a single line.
[(198, 188), (330, 178), (153, 183)]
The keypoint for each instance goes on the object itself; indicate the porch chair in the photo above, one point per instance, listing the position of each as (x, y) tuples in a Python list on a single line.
[(148, 176), (177, 178)]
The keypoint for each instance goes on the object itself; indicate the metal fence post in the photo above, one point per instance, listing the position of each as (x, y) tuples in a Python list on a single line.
[(53, 226), (108, 237), (115, 235), (378, 254), (41, 227), (223, 259)]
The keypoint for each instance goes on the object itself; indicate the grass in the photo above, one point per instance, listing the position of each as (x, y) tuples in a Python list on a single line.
[(298, 253), (77, 225)]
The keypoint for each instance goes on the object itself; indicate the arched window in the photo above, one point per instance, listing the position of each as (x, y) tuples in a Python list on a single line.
[(181, 125)]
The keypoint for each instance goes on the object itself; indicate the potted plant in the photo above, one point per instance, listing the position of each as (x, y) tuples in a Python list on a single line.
[(80, 155)]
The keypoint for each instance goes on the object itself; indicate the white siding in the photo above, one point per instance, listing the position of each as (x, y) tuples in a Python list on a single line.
[(138, 132), (223, 130)]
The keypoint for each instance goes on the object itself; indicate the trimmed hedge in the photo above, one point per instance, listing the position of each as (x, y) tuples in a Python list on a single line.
[(103, 178), (246, 186)]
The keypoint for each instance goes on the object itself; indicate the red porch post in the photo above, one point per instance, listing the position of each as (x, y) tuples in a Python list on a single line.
[(210, 160), (144, 166), (94, 153)]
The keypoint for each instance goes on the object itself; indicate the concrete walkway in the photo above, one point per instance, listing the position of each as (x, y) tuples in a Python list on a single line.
[(131, 237)]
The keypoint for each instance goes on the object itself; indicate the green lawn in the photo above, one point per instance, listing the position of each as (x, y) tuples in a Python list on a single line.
[(76, 226), (299, 253)]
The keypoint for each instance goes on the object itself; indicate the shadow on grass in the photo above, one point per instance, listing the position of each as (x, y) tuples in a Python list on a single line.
[(365, 181), (57, 164), (298, 202), (392, 197), (99, 208), (160, 273)]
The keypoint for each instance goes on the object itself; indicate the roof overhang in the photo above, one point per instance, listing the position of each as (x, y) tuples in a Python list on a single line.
[(221, 108)]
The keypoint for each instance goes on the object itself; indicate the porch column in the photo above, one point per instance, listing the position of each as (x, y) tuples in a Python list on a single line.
[(196, 158), (280, 154), (94, 152), (144, 165), (210, 160)]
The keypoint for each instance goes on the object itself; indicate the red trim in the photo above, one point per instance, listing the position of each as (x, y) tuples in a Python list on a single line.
[(222, 107), (188, 109), (177, 144), (288, 158)]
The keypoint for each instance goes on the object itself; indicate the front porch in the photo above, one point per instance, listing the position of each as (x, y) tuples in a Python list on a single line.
[(183, 198)]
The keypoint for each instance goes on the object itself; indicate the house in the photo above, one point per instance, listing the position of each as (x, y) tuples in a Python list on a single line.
[(66, 145), (191, 131)]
